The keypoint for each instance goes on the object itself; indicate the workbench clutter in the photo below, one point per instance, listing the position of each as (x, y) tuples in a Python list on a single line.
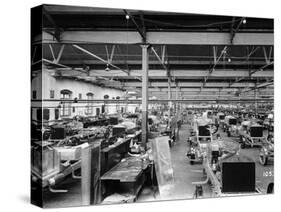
[(135, 106)]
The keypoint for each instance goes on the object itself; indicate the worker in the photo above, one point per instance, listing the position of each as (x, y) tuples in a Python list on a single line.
[(179, 123), (215, 149)]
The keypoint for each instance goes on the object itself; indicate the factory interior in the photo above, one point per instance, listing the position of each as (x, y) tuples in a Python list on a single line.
[(140, 106)]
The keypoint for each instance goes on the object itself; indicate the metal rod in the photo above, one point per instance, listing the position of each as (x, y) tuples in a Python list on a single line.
[(60, 53), (217, 60), (99, 58), (54, 63), (52, 52), (263, 67), (164, 66), (137, 26)]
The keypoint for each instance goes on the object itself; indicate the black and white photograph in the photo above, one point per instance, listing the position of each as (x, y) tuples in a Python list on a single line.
[(138, 106)]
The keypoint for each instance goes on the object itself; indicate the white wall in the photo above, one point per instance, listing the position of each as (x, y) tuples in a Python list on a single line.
[(49, 82)]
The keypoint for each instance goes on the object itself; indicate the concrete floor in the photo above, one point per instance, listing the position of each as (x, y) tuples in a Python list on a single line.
[(184, 175)]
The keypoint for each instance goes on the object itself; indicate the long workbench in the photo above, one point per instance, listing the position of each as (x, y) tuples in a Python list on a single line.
[(112, 154)]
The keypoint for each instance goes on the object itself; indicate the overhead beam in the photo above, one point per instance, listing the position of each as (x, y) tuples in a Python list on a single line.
[(192, 84), (215, 90), (169, 38), (238, 61), (186, 74), (181, 75)]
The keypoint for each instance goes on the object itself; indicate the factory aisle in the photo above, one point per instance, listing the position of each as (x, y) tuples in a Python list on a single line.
[(184, 173)]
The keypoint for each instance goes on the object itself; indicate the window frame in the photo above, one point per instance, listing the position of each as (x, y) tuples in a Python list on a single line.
[(66, 108), (90, 104)]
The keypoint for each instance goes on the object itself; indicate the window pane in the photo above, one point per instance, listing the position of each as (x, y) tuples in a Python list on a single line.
[(34, 95), (56, 114), (46, 114), (39, 114), (52, 94)]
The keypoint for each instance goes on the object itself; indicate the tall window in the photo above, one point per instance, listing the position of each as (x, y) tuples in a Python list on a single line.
[(66, 106), (57, 114), (52, 94), (34, 94), (90, 104), (104, 109)]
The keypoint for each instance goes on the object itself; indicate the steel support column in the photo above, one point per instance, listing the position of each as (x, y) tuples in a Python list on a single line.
[(169, 98), (144, 94), (177, 97), (256, 103)]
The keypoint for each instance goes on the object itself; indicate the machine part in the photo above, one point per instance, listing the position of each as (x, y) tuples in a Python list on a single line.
[(194, 155), (199, 188), (57, 190), (263, 157), (192, 158), (198, 191), (53, 181), (266, 152), (73, 173), (242, 142)]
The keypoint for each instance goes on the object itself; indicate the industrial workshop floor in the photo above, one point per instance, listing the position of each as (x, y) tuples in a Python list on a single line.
[(184, 175)]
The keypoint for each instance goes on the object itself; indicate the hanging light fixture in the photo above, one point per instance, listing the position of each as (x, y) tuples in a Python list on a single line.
[(107, 67)]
